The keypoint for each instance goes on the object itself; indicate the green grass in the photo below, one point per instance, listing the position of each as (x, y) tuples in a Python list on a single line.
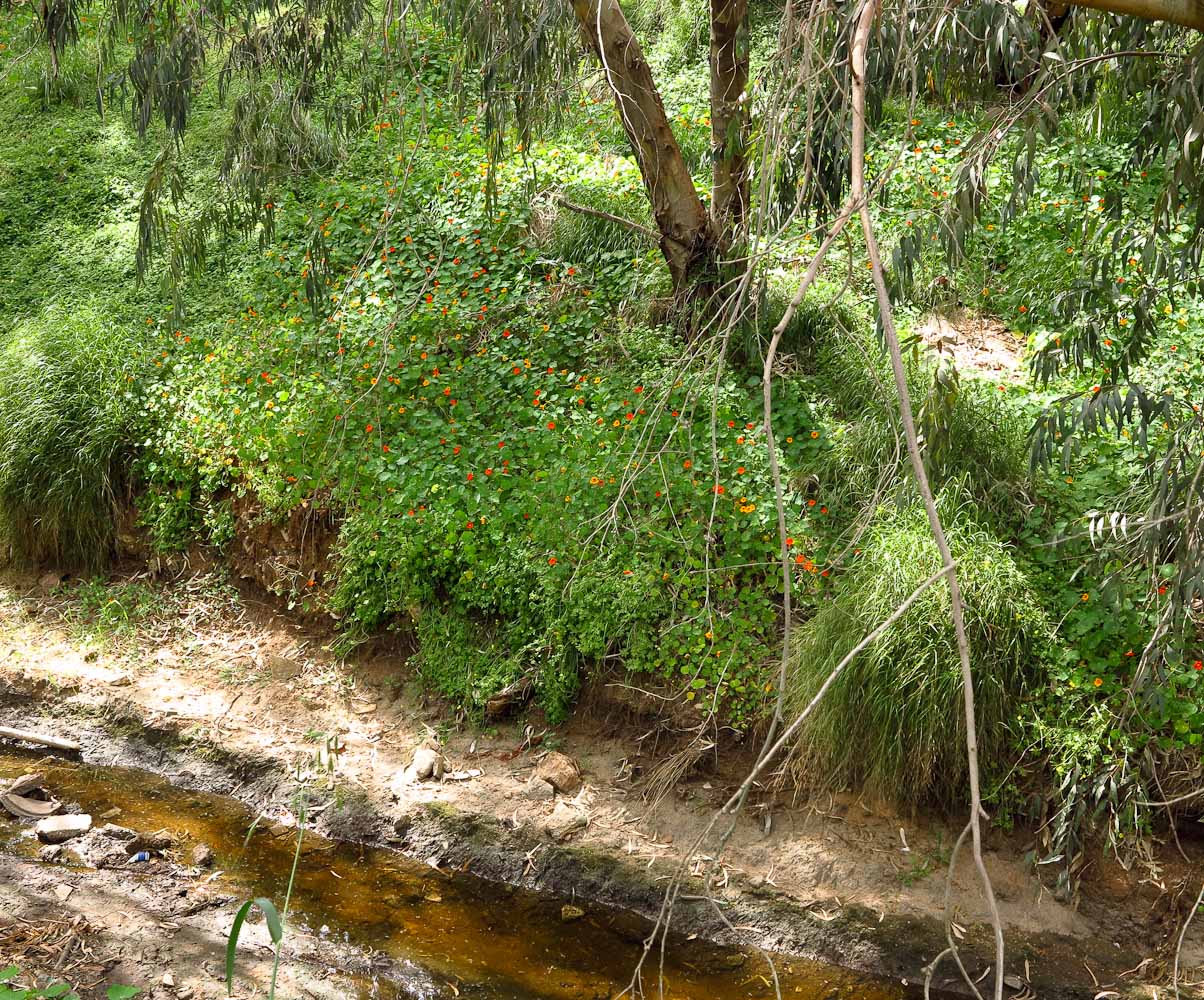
[(67, 429), (893, 721)]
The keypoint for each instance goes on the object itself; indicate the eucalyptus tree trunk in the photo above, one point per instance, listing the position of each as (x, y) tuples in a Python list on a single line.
[(1189, 13), (729, 119), (686, 237)]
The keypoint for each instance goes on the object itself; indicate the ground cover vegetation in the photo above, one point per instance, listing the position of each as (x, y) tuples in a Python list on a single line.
[(324, 275)]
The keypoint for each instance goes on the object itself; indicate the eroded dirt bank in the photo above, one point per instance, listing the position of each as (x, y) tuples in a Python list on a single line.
[(229, 695)]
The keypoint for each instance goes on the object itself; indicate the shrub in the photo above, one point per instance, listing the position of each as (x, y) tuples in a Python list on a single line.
[(67, 423), (893, 720)]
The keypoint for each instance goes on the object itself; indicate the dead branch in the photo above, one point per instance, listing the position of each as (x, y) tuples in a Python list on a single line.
[(957, 611)]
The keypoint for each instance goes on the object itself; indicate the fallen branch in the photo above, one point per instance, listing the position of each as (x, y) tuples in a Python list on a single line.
[(40, 739), (597, 213)]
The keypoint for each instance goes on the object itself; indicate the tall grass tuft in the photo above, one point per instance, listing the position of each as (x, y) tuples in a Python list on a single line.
[(969, 432), (66, 424), (893, 721)]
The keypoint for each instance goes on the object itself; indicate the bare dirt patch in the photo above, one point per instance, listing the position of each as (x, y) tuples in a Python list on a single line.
[(980, 344)]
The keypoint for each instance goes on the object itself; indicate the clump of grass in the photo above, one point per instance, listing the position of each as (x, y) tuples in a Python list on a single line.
[(893, 721), (819, 321), (970, 434), (66, 423)]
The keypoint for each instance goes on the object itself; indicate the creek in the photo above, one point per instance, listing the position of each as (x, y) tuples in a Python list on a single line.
[(491, 940)]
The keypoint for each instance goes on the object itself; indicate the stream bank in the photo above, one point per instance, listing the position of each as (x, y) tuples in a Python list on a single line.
[(227, 696)]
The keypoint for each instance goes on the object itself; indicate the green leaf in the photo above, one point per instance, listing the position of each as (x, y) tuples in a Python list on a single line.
[(9, 973), (119, 992)]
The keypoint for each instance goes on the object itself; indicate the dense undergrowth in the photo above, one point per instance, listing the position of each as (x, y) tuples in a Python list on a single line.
[(533, 472)]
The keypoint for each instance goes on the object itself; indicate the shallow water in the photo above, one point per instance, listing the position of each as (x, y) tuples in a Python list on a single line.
[(491, 940)]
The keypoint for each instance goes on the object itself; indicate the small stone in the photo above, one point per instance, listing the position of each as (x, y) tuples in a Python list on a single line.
[(565, 822), (561, 772), (160, 840), (48, 581), (51, 853), (58, 829), (202, 855), (121, 680), (63, 891), (281, 667), (569, 913), (168, 979), (115, 832), (538, 790), (427, 763), (109, 814)]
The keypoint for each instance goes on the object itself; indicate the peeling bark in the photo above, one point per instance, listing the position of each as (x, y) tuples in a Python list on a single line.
[(729, 118), (686, 237)]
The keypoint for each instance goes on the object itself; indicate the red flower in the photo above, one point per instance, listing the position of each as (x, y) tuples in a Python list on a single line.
[(551, 560), (551, 425), (470, 477), (489, 472), (368, 429), (1198, 665)]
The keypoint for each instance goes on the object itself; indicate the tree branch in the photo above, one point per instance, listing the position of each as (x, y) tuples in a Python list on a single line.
[(597, 213), (1188, 13), (886, 315)]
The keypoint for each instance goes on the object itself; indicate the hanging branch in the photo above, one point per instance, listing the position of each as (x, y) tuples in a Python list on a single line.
[(957, 609)]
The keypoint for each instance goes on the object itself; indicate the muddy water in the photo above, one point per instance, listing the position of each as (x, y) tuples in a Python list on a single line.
[(489, 940)]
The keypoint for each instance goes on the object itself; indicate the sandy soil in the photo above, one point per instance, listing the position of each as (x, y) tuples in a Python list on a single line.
[(241, 676)]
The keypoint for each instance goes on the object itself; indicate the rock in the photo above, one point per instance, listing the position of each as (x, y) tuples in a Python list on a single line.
[(121, 680), (569, 913), (427, 763), (51, 853), (561, 772), (48, 581), (565, 822), (538, 790), (160, 840), (115, 832), (401, 825), (109, 814), (202, 855), (281, 667), (63, 891), (58, 829)]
